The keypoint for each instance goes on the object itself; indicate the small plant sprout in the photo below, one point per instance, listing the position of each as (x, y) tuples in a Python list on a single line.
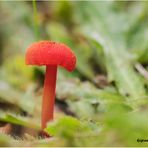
[(50, 54)]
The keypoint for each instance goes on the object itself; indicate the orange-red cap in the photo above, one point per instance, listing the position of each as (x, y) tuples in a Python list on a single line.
[(51, 53)]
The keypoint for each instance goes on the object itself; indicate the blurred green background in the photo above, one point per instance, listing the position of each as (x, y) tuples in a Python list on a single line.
[(104, 102)]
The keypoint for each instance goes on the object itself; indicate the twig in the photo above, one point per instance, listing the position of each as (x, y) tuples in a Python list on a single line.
[(142, 70), (6, 129), (36, 26)]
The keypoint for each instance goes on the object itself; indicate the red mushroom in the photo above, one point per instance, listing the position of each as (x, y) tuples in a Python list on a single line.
[(50, 54)]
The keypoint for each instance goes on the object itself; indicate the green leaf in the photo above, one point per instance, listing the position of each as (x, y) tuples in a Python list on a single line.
[(137, 33), (67, 126), (19, 120), (73, 131)]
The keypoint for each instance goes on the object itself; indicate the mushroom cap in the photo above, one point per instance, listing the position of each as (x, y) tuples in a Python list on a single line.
[(50, 53)]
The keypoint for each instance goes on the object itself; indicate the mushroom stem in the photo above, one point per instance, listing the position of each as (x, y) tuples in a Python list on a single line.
[(49, 94)]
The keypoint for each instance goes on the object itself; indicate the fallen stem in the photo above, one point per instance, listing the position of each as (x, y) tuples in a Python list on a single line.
[(142, 70)]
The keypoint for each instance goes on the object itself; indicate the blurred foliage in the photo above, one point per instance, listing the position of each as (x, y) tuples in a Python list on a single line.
[(109, 33), (16, 66), (103, 102)]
